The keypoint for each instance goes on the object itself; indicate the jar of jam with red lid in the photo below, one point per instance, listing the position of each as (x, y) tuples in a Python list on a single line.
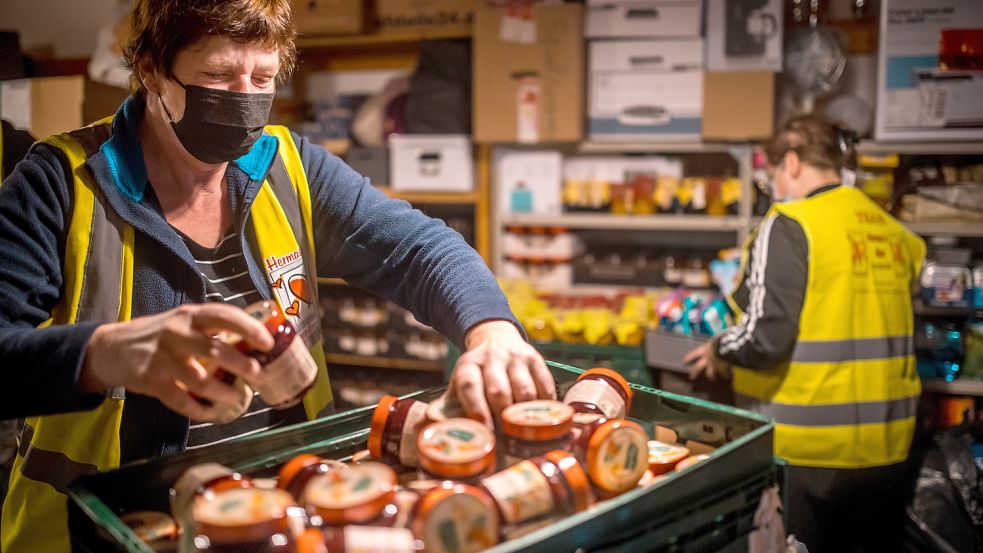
[(358, 539), (614, 452), (396, 423), (297, 472), (458, 449), (533, 428), (245, 520), (361, 494), (665, 457), (601, 391), (552, 484), (202, 482), (288, 369), (456, 518)]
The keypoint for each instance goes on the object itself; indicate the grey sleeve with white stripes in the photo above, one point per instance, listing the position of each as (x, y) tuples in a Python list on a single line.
[(775, 285)]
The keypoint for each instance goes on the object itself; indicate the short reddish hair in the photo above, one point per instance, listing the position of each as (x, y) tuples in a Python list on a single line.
[(162, 28)]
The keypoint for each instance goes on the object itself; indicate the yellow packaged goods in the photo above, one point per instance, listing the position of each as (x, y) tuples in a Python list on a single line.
[(245, 519), (554, 484), (358, 539), (362, 494), (395, 425), (614, 452), (457, 518), (296, 473), (664, 457), (600, 390), (461, 449), (534, 428)]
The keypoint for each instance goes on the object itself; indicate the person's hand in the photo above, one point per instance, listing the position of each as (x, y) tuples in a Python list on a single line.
[(162, 356), (704, 360), (497, 369)]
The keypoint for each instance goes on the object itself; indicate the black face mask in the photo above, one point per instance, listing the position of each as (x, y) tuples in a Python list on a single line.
[(220, 125)]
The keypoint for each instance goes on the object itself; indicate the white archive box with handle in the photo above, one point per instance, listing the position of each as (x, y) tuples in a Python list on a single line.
[(643, 18), (646, 89), (431, 162)]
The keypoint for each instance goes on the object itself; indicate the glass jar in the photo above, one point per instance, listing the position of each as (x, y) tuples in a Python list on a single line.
[(533, 428), (456, 518), (288, 369), (602, 391), (614, 452), (552, 484), (358, 539), (202, 481), (395, 425), (296, 473), (664, 457), (245, 520), (459, 449), (361, 494), (440, 410)]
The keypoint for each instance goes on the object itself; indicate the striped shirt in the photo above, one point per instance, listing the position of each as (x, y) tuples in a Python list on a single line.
[(226, 278)]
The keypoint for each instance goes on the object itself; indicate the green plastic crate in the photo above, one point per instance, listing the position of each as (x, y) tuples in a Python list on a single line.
[(708, 507)]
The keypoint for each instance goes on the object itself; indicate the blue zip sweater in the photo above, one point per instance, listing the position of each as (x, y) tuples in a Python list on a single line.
[(362, 236)]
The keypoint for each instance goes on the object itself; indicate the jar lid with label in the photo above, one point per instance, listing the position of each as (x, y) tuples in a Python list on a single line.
[(297, 472), (538, 420), (206, 478), (456, 448), (456, 518), (243, 515), (617, 456), (395, 425), (664, 457), (355, 495), (690, 461)]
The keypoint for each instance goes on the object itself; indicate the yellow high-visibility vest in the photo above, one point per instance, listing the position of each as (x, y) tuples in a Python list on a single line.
[(848, 396), (98, 286)]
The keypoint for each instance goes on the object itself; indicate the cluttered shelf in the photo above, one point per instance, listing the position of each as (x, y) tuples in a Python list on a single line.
[(628, 222), (955, 387), (383, 362), (432, 198), (920, 148)]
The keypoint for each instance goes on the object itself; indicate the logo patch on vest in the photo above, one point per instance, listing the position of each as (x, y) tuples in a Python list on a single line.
[(290, 286)]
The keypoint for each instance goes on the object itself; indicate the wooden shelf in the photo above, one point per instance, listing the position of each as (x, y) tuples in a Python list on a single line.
[(384, 362), (920, 148), (945, 228), (933, 311), (656, 147), (363, 41), (432, 198), (956, 387), (628, 222)]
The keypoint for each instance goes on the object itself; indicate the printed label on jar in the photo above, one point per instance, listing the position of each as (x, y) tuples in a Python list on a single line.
[(381, 540), (357, 485), (522, 492), (599, 393), (623, 459), (287, 376), (461, 523), (415, 419)]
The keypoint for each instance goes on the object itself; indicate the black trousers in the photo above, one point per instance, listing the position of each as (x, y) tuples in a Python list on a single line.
[(847, 510)]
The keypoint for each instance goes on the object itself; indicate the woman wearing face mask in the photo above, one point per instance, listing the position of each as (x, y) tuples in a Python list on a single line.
[(129, 244), (823, 343)]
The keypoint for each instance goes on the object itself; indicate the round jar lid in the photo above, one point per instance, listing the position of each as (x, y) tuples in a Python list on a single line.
[(575, 476), (356, 494), (664, 457), (377, 427), (456, 448), (690, 461), (457, 518), (617, 456), (151, 526), (243, 514), (613, 375), (537, 420)]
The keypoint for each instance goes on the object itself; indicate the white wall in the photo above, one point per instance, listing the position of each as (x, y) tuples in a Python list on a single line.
[(71, 26)]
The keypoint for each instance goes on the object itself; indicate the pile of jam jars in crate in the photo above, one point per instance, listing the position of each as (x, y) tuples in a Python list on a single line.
[(431, 480)]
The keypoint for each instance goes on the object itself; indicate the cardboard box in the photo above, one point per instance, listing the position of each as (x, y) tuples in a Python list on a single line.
[(423, 19), (530, 84), (915, 99), (744, 35), (101, 101), (431, 162), (45, 106), (329, 17), (643, 18), (738, 105), (646, 89)]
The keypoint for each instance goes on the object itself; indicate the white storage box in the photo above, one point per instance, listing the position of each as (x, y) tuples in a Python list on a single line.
[(646, 89), (643, 19), (429, 162)]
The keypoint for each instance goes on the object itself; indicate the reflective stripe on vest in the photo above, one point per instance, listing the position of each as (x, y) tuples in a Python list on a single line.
[(848, 395), (98, 278)]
